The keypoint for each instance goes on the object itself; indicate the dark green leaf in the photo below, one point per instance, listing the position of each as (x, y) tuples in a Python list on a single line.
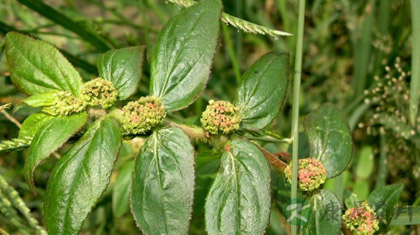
[(121, 192), (32, 124), (329, 138), (163, 183), (263, 90), (80, 177), (384, 199), (239, 200), (326, 214), (51, 136), (123, 68), (88, 34), (406, 215), (183, 54), (37, 67)]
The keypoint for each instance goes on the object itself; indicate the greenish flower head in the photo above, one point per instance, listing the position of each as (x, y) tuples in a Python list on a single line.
[(142, 115), (311, 174), (220, 117), (99, 92), (65, 104), (361, 220)]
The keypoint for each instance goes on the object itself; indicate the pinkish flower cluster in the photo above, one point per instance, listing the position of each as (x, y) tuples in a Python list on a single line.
[(311, 174), (361, 220), (220, 117)]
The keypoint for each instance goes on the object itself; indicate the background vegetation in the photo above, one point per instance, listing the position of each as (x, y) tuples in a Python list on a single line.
[(357, 55)]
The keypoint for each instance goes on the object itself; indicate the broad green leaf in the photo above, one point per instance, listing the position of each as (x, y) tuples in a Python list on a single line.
[(40, 100), (326, 214), (123, 67), (37, 67), (121, 191), (32, 124), (329, 138), (180, 65), (239, 200), (263, 90), (51, 136), (163, 183), (406, 215), (384, 199), (80, 177)]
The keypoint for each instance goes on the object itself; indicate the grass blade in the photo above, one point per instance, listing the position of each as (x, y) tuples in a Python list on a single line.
[(59, 18), (415, 62)]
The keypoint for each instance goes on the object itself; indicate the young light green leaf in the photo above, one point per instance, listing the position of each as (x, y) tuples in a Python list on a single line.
[(384, 199), (121, 191), (40, 100), (163, 183), (32, 124), (80, 177), (326, 214), (51, 136), (37, 67), (329, 138), (263, 90), (239, 200), (123, 67), (183, 54)]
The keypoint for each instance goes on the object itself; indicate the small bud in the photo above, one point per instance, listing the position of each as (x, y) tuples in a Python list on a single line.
[(99, 92), (220, 117), (65, 104), (311, 174), (361, 220), (142, 115)]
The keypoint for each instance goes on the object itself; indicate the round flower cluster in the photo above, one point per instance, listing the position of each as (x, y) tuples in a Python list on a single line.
[(220, 116), (142, 115), (99, 92), (361, 220), (65, 104), (311, 174)]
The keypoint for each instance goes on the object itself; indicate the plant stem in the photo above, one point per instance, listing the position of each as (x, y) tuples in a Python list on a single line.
[(415, 62), (232, 53), (382, 171), (295, 107)]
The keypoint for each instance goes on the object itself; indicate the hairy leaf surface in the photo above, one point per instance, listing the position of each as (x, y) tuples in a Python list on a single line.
[(329, 138), (48, 139), (326, 214), (80, 177), (37, 67), (263, 90), (163, 183), (32, 124), (239, 200), (183, 54), (123, 67)]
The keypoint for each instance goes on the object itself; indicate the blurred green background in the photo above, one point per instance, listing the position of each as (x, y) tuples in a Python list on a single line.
[(357, 55)]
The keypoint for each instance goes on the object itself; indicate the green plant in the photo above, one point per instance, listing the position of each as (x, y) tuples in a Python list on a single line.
[(96, 117)]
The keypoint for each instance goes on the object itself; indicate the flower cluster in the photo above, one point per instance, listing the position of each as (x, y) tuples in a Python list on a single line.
[(99, 92), (65, 104), (311, 174), (361, 220), (220, 116), (142, 115)]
